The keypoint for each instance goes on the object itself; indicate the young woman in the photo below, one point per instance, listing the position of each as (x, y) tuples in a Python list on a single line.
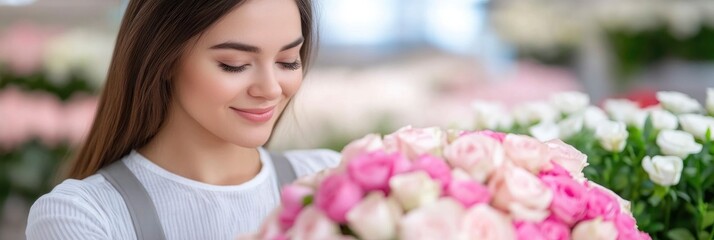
[(195, 89)]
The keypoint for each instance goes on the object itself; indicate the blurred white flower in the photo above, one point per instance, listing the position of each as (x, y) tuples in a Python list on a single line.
[(545, 131), (637, 118), (571, 126), (570, 102), (490, 115), (677, 102), (677, 143), (662, 119), (593, 116), (696, 124), (621, 109), (86, 53), (612, 135), (535, 112), (663, 170)]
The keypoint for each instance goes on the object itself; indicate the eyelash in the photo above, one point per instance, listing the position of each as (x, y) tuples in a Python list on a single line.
[(289, 66)]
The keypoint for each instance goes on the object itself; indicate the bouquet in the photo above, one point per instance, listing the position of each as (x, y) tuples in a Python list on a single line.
[(429, 183), (658, 156)]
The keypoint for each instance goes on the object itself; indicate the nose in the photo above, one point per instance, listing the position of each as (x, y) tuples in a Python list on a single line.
[(266, 85)]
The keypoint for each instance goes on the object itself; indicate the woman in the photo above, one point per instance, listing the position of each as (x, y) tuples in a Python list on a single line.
[(195, 89)]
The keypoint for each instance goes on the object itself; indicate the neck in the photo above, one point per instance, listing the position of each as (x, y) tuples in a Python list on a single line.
[(184, 147)]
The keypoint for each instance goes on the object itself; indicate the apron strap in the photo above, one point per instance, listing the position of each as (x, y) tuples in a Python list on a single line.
[(141, 208), (283, 168)]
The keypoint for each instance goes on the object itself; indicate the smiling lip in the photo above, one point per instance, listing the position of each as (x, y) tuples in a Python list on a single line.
[(258, 115)]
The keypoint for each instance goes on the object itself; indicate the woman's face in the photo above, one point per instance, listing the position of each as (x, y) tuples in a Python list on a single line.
[(237, 77)]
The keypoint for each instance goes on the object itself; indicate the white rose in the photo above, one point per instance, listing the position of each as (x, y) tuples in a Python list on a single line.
[(490, 115), (545, 131), (595, 229), (413, 142), (534, 112), (570, 102), (612, 136), (678, 102), (369, 143), (710, 101), (662, 120), (593, 116), (415, 189), (696, 124), (313, 224), (663, 170), (375, 217), (439, 220), (571, 126), (677, 143), (637, 119), (620, 109)]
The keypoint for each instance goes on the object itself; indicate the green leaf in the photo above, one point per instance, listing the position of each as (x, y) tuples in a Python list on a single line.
[(680, 234), (684, 196), (708, 219), (307, 200)]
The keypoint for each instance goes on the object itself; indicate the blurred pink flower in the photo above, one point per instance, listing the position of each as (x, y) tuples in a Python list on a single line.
[(22, 46), (78, 118), (13, 112)]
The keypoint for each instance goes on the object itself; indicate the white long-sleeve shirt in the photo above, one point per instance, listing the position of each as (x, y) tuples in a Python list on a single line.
[(92, 209)]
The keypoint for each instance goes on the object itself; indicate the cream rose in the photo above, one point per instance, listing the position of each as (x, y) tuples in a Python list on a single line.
[(612, 136), (595, 229), (413, 190), (677, 143), (375, 217), (696, 124), (663, 170), (476, 154), (521, 193), (678, 102)]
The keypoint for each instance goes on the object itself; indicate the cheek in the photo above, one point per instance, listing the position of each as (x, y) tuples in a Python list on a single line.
[(291, 82), (206, 86)]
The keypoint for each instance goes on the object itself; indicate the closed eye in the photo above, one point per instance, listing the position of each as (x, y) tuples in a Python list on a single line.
[(291, 66), (230, 68)]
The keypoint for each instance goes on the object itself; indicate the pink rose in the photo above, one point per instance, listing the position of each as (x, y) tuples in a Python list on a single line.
[(414, 142), (547, 230), (627, 228), (519, 192), (313, 224), (568, 157), (336, 195), (554, 230), (486, 223), (439, 220), (476, 154), (527, 152), (569, 203), (601, 204), (556, 171), (435, 167), (498, 136), (372, 171), (468, 193), (292, 199), (529, 231), (624, 204), (367, 144)]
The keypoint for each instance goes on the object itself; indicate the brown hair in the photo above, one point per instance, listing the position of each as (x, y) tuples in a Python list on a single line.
[(135, 99)]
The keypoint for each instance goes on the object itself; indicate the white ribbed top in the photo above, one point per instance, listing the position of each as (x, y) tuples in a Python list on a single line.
[(188, 209)]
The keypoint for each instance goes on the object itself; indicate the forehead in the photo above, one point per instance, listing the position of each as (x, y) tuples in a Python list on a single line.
[(263, 23)]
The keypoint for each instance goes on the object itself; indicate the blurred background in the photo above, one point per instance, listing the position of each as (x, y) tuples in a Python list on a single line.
[(382, 64)]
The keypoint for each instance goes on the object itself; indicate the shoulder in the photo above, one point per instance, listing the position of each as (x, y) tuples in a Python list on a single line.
[(310, 161), (72, 208)]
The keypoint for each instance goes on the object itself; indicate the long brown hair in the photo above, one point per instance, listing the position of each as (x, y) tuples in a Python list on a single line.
[(136, 96)]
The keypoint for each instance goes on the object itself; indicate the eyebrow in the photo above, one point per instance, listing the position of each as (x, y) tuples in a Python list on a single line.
[(253, 49)]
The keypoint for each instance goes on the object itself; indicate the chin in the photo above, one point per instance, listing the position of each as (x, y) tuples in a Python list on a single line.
[(250, 139)]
